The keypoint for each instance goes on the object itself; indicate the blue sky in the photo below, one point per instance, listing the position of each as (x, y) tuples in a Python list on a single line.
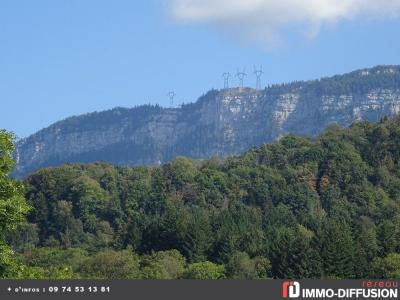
[(62, 58)]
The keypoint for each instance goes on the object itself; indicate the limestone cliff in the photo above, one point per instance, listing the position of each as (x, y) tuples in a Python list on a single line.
[(220, 123)]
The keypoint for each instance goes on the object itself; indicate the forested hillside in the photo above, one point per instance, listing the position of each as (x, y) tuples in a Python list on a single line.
[(328, 208)]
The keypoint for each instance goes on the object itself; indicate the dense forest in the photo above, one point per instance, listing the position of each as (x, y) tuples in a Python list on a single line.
[(296, 208), (379, 77)]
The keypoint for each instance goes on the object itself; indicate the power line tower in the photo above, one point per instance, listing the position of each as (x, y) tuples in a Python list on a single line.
[(226, 76), (241, 76), (171, 95), (258, 72)]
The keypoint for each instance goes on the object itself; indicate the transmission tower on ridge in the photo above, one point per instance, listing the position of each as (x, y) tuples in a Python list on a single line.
[(171, 96), (241, 76), (226, 76), (258, 72)]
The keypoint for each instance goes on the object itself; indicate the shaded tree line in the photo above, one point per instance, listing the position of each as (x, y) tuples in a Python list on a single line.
[(297, 208)]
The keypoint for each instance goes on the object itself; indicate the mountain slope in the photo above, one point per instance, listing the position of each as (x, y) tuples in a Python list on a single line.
[(295, 208), (220, 123)]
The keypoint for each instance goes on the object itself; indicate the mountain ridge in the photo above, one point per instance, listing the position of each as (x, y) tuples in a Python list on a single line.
[(219, 123)]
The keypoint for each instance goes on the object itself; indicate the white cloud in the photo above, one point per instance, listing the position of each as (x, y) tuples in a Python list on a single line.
[(262, 20)]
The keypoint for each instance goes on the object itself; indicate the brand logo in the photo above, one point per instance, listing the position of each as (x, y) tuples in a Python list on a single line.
[(371, 290), (291, 289)]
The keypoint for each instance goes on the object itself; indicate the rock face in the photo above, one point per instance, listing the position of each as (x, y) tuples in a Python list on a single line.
[(220, 123)]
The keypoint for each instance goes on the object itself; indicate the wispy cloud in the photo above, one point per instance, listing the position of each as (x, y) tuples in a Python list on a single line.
[(264, 20)]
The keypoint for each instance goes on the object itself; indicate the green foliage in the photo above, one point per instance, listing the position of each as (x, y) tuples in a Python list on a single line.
[(13, 207), (297, 208), (110, 264), (48, 258), (241, 266), (12, 203), (205, 270), (387, 267), (163, 265), (8, 265), (337, 250)]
